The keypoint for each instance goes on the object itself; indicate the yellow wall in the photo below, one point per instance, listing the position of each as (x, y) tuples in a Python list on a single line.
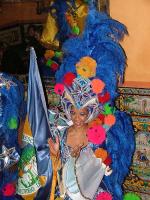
[(135, 14)]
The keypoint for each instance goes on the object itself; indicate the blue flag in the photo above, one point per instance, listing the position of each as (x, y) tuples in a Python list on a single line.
[(38, 119)]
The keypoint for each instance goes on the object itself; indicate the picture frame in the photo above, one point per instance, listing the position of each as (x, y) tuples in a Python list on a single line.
[(103, 6), (11, 35)]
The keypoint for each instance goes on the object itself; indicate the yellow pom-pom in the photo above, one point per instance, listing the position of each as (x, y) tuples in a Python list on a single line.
[(86, 67)]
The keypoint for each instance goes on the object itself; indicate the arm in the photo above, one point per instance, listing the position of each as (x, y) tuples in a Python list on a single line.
[(54, 147)]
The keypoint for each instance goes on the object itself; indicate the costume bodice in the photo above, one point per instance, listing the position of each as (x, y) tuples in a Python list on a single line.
[(66, 149)]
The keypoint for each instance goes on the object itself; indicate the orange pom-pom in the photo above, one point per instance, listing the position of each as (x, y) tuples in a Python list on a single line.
[(49, 54), (97, 85), (86, 67), (110, 120), (101, 153), (94, 122)]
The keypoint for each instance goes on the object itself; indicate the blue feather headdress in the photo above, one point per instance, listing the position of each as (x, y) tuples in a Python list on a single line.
[(100, 40)]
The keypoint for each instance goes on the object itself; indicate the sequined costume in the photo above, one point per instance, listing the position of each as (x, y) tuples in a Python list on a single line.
[(11, 113)]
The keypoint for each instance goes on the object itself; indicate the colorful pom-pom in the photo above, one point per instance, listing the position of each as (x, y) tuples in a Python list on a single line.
[(49, 54), (108, 109), (86, 67), (58, 54), (54, 66), (96, 134), (110, 120), (12, 123), (104, 98), (94, 122), (104, 196), (97, 85), (49, 63), (108, 161), (59, 88), (131, 196), (75, 30), (68, 78), (8, 190), (101, 153), (101, 117)]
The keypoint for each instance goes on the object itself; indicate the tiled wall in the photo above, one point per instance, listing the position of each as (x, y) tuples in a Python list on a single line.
[(136, 102)]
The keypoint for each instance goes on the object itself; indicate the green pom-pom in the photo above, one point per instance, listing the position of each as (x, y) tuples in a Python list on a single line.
[(49, 62), (12, 123), (131, 196), (58, 54), (108, 109), (76, 30)]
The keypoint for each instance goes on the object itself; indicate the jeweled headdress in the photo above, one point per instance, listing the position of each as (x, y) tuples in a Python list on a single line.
[(82, 92), (80, 95)]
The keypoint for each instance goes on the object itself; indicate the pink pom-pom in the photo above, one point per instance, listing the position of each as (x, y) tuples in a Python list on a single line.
[(59, 88), (97, 85), (110, 120), (104, 196), (96, 134)]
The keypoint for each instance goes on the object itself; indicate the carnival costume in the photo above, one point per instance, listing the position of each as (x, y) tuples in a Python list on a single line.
[(93, 63), (11, 113), (88, 76)]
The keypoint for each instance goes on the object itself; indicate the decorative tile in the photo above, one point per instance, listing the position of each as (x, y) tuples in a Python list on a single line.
[(135, 101)]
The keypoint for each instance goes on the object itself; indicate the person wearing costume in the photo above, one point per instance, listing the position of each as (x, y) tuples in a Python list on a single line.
[(11, 114), (93, 143), (84, 160)]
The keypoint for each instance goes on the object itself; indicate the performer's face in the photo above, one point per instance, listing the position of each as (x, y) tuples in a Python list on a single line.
[(79, 116)]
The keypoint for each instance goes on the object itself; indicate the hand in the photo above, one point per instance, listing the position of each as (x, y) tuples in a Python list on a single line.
[(76, 151), (108, 171), (54, 147)]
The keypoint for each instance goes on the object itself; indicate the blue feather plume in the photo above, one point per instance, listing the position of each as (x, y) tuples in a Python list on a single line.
[(100, 40)]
